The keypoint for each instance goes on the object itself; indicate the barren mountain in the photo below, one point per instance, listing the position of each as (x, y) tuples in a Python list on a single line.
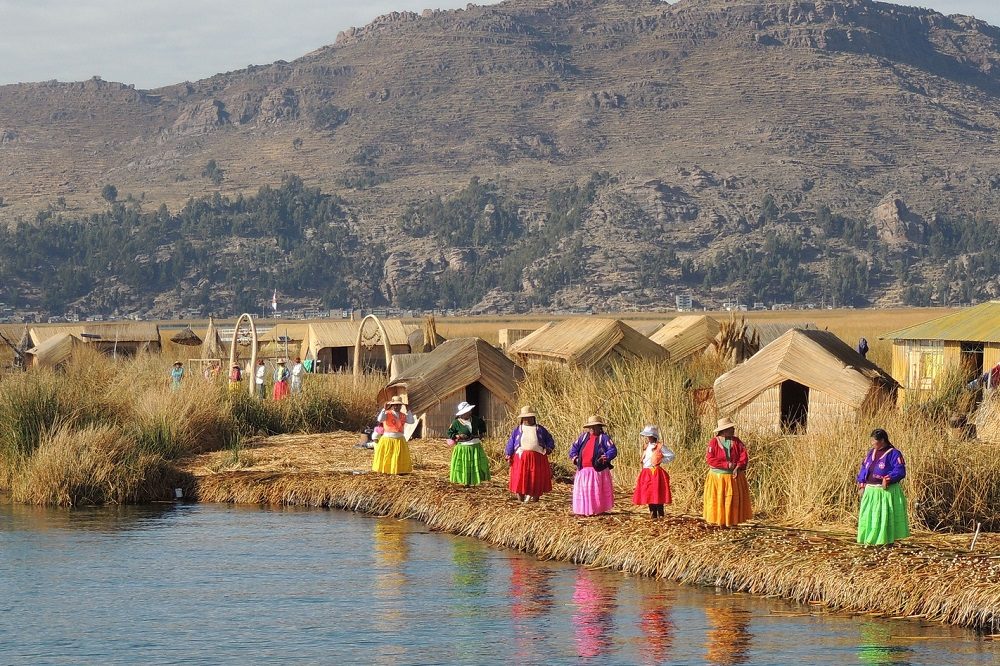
[(717, 122)]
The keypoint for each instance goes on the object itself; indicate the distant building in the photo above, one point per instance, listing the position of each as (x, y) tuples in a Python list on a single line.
[(684, 302)]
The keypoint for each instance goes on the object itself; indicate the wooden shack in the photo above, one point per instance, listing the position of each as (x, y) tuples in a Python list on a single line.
[(965, 342), (118, 339), (804, 381), (587, 342), (686, 336), (461, 369), (332, 344)]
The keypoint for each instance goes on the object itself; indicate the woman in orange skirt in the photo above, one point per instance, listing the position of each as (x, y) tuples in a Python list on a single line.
[(653, 485), (727, 495)]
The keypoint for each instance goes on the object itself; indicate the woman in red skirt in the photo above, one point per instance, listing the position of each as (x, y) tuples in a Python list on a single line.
[(653, 485), (528, 451)]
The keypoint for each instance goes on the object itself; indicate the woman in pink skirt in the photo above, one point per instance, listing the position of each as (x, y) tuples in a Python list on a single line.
[(592, 453)]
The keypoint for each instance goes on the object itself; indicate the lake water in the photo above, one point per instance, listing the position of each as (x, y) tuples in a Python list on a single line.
[(221, 584)]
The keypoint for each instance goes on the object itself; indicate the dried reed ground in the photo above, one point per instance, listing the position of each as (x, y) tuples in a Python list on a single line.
[(929, 576)]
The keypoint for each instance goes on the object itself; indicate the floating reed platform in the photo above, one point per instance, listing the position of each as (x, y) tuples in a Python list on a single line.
[(930, 577)]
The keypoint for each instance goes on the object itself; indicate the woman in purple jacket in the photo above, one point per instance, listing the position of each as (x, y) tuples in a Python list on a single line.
[(882, 518), (592, 453)]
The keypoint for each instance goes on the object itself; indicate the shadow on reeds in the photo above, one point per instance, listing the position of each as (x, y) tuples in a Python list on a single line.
[(104, 431)]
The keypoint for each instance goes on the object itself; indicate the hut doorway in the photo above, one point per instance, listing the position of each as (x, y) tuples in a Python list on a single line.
[(794, 407), (972, 360), (339, 359)]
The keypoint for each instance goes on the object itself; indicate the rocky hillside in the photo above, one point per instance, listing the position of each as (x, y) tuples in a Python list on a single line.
[(858, 137)]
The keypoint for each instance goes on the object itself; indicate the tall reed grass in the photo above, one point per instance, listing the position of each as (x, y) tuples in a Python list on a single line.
[(104, 431), (801, 480)]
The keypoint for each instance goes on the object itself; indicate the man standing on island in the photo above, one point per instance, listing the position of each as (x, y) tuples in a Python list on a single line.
[(259, 379)]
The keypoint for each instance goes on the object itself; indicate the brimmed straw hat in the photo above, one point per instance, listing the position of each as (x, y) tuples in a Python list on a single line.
[(724, 424), (593, 420), (178, 363), (527, 412), (650, 431), (281, 362), (396, 400), (464, 408)]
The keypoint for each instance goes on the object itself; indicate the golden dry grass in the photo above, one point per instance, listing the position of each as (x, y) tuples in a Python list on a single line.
[(929, 576)]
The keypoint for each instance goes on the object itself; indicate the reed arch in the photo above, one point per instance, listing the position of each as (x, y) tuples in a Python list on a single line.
[(253, 349), (371, 340)]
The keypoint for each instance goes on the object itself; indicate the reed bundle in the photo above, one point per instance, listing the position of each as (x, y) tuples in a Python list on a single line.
[(928, 577)]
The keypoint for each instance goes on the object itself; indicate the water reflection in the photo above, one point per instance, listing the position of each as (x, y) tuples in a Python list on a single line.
[(875, 646), (728, 638), (470, 558), (110, 519), (391, 555), (657, 628), (593, 620), (531, 600)]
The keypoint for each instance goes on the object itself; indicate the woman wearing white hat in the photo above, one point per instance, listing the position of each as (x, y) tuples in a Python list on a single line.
[(527, 450), (469, 464), (653, 485), (727, 494), (392, 454), (592, 453)]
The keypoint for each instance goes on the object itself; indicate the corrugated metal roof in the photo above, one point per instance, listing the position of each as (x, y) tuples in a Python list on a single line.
[(686, 335), (817, 359), (585, 341), (976, 324), (456, 363)]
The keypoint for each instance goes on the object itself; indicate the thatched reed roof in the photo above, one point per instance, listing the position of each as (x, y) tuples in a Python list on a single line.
[(55, 351), (344, 333), (127, 332), (212, 346), (456, 363), (817, 359), (977, 324), (586, 342), (25, 343), (186, 337), (769, 331), (686, 335), (294, 332), (401, 363), (647, 328)]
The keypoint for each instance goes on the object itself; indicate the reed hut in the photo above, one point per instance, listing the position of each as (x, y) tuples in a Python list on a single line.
[(112, 339), (687, 335), (965, 342), (804, 381), (585, 342), (769, 331), (211, 346), (332, 345), (283, 340), (55, 351), (468, 369), (508, 336)]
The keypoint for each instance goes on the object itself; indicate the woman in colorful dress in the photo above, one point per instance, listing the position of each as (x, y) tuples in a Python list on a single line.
[(653, 485), (469, 464), (592, 453), (392, 454), (727, 494), (882, 518), (528, 452), (280, 391), (176, 375), (235, 378)]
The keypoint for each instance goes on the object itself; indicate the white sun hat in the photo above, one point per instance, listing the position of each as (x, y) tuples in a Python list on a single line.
[(464, 408)]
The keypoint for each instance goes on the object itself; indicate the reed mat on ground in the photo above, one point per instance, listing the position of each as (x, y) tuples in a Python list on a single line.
[(103, 431), (930, 576)]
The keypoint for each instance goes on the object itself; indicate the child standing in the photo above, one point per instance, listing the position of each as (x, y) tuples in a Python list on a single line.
[(653, 485)]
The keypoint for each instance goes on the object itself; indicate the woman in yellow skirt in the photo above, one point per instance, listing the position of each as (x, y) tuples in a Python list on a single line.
[(727, 495), (392, 455)]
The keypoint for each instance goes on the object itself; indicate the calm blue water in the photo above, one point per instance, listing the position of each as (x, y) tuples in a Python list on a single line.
[(220, 584)]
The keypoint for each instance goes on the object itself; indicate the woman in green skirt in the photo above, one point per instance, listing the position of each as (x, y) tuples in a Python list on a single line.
[(469, 464), (882, 518)]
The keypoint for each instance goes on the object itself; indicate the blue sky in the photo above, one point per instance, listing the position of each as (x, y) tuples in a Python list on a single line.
[(157, 42)]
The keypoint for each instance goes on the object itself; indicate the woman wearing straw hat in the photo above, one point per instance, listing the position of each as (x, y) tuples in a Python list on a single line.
[(727, 495), (281, 381), (176, 375), (882, 518), (392, 455), (592, 453), (653, 485), (235, 378), (469, 464), (527, 451)]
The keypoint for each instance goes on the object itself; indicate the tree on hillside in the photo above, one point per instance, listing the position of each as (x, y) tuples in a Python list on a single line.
[(109, 193), (213, 172)]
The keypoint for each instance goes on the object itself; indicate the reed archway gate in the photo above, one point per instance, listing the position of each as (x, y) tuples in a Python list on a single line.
[(245, 333), (370, 336)]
